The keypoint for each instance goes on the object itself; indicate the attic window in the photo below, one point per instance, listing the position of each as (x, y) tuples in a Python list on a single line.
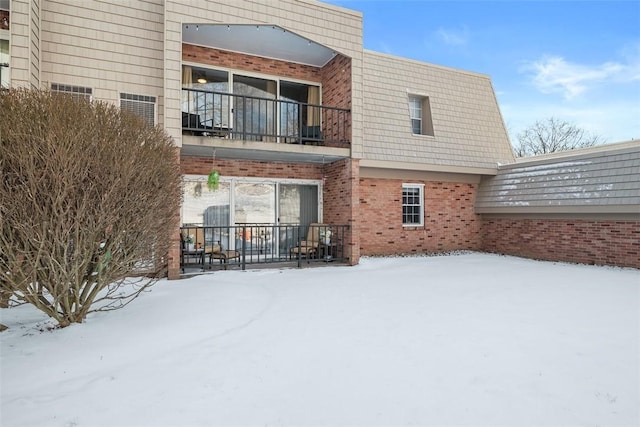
[(420, 114)]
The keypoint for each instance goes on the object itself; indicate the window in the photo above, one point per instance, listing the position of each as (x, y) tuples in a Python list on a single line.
[(420, 113), (75, 91), (143, 106), (412, 208)]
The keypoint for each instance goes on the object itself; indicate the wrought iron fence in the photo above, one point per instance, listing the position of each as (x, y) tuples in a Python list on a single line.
[(213, 247), (252, 118)]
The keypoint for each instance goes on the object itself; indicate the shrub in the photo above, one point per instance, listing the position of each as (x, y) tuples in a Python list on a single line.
[(90, 197)]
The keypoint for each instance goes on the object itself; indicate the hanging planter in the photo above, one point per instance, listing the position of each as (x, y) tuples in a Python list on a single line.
[(213, 180)]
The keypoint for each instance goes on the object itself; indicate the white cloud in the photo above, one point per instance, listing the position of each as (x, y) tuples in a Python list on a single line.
[(453, 37), (553, 74)]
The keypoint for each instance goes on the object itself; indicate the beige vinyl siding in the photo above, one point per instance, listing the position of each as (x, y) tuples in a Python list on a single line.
[(337, 28), (111, 47), (25, 43), (468, 130)]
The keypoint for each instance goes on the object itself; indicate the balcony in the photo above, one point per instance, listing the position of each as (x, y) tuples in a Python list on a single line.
[(211, 248), (250, 118)]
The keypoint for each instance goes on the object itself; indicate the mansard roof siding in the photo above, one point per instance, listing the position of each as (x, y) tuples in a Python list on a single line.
[(468, 127), (602, 180)]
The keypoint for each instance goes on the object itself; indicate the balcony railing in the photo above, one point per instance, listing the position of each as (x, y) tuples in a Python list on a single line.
[(213, 247), (250, 118)]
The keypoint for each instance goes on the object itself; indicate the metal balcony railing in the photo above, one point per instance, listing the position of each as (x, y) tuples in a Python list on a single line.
[(251, 118), (213, 247)]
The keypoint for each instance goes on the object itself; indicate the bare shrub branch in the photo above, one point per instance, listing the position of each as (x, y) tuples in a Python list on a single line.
[(89, 193)]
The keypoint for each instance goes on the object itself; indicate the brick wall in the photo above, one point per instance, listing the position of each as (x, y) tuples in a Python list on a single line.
[(203, 166), (372, 208), (580, 241), (239, 61), (335, 76), (336, 82), (336, 92), (450, 222), (340, 201), (173, 255)]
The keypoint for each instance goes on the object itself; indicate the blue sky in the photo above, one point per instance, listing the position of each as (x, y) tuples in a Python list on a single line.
[(578, 61)]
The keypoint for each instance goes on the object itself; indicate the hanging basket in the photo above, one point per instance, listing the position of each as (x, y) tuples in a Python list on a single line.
[(213, 180)]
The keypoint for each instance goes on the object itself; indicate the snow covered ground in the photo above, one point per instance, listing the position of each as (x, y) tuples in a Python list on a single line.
[(467, 339)]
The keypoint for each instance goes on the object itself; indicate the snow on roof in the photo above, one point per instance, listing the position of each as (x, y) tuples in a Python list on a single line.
[(606, 177)]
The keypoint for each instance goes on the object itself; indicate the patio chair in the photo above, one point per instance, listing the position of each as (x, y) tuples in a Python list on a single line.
[(189, 251), (201, 250), (224, 255), (309, 247)]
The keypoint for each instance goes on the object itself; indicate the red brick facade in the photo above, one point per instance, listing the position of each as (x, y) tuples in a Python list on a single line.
[(449, 223), (373, 206), (256, 64), (580, 241), (336, 82), (340, 201), (373, 209), (246, 168), (173, 256)]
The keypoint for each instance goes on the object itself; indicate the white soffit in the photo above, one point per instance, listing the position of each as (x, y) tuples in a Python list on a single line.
[(268, 41)]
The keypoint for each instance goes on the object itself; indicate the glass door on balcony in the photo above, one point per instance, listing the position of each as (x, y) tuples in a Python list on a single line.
[(255, 206), (207, 104), (299, 113), (255, 203), (239, 202), (254, 111), (297, 204), (292, 95)]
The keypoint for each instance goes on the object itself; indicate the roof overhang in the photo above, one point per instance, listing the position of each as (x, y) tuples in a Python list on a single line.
[(260, 151), (270, 41)]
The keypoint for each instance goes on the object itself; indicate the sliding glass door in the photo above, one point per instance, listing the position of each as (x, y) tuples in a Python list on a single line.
[(297, 205), (255, 112), (254, 203), (257, 108)]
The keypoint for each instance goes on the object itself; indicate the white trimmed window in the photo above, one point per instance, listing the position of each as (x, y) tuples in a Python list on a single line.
[(143, 106), (420, 114), (75, 91), (412, 205)]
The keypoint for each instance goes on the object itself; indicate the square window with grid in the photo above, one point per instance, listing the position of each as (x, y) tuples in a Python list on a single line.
[(412, 205), (143, 106)]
